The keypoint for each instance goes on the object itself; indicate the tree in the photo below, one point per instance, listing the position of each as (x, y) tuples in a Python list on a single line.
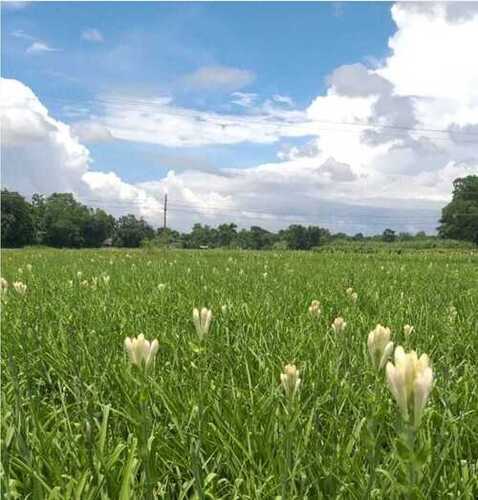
[(388, 235), (98, 227), (296, 237), (226, 233), (64, 221), (459, 218), (17, 220), (130, 231)]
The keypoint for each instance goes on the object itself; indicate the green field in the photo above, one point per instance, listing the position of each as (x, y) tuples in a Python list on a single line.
[(210, 419)]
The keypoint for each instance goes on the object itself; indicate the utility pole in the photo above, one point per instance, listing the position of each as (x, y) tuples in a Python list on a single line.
[(165, 210)]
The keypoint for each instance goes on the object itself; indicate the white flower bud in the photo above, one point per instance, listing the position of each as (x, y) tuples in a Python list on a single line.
[(140, 351), (20, 287), (202, 321), (290, 380), (379, 346), (338, 325), (314, 309), (410, 380), (408, 330)]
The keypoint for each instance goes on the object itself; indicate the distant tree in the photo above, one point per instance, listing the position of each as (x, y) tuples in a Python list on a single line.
[(226, 234), (388, 235), (130, 231), (404, 236), (459, 218), (421, 235), (38, 212), (166, 237), (17, 220), (64, 220), (98, 227), (296, 237), (260, 238), (358, 237), (314, 236), (340, 236)]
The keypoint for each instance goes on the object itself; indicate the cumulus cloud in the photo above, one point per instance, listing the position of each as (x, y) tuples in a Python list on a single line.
[(92, 35), (219, 78), (337, 171), (41, 155)]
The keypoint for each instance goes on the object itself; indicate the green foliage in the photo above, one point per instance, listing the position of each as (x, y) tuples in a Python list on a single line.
[(130, 232), (17, 220), (78, 421), (389, 236), (459, 219)]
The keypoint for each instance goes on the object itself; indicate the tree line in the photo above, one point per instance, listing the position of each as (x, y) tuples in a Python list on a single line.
[(61, 221)]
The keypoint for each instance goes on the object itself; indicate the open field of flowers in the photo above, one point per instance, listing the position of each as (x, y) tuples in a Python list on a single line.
[(283, 383)]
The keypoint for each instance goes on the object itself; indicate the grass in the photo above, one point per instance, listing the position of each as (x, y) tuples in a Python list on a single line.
[(210, 420)]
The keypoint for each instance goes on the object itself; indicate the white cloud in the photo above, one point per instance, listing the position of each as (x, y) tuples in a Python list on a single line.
[(22, 34), (92, 35), (91, 132), (42, 155), (244, 99), (162, 122), (219, 78), (40, 47), (283, 99)]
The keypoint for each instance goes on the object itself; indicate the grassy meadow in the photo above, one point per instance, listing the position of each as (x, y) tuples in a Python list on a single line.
[(210, 419)]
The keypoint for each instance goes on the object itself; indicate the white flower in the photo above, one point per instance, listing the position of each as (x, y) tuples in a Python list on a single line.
[(141, 351), (314, 308), (84, 283), (29, 268), (202, 321), (379, 346), (79, 274), (20, 270), (3, 286), (410, 380), (224, 309), (106, 279), (349, 291), (290, 380), (408, 330), (354, 297), (161, 286), (338, 325), (20, 287)]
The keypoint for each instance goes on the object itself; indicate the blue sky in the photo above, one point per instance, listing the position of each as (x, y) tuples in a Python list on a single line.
[(148, 48), (243, 111)]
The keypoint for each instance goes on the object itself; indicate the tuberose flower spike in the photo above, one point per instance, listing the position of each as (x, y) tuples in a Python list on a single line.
[(202, 321), (141, 352), (290, 380), (379, 345), (410, 380)]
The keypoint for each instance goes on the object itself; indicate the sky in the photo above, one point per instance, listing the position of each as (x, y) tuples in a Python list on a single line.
[(352, 116)]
